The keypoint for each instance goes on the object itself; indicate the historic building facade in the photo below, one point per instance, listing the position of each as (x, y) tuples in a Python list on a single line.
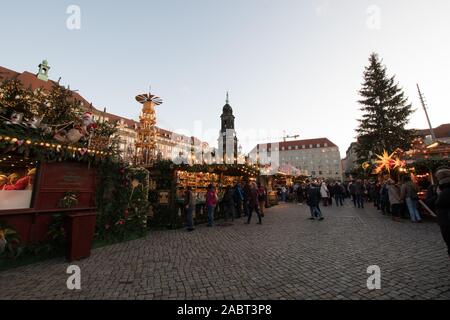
[(317, 158), (169, 145)]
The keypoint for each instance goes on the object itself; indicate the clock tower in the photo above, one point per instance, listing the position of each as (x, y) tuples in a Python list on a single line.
[(228, 142)]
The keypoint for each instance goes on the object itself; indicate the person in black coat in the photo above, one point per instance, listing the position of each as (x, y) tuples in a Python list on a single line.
[(443, 204), (228, 203), (313, 201)]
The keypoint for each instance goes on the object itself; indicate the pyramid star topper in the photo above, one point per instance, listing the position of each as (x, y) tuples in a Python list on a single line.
[(143, 98)]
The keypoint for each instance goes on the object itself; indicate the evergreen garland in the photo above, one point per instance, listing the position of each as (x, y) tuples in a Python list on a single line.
[(121, 201)]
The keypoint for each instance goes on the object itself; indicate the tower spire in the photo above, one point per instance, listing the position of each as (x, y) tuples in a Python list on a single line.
[(228, 98)]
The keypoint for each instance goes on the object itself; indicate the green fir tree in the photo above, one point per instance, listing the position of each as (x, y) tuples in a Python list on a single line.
[(386, 112)]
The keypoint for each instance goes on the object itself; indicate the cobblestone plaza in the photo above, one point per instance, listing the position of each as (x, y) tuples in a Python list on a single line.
[(287, 257)]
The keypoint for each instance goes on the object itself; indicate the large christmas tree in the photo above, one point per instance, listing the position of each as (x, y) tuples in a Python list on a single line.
[(386, 112)]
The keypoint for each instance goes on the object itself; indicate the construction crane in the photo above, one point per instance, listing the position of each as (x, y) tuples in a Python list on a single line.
[(424, 105), (290, 137)]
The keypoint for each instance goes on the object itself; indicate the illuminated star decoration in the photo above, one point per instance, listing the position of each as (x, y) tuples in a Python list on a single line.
[(399, 163), (384, 162), (388, 162)]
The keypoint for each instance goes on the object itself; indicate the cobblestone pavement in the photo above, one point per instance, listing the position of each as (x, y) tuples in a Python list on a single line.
[(287, 257)]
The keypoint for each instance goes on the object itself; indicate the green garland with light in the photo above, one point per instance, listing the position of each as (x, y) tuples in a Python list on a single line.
[(57, 109), (121, 200)]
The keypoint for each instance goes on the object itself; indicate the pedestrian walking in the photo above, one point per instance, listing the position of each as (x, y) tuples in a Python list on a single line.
[(247, 192), (409, 196), (352, 191), (211, 203), (359, 190), (228, 203), (238, 199), (253, 204), (324, 193), (338, 191), (395, 200), (443, 204), (377, 195), (283, 194), (189, 206), (384, 199), (262, 197), (313, 201)]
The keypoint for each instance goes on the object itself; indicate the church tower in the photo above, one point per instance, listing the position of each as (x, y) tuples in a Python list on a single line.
[(43, 70), (228, 142)]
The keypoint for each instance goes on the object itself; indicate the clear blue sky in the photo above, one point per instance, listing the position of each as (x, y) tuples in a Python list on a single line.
[(289, 65)]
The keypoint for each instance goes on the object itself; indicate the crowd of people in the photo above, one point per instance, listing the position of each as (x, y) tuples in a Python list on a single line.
[(237, 201), (398, 199)]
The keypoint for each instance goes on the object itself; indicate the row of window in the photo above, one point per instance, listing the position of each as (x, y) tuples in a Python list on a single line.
[(311, 146)]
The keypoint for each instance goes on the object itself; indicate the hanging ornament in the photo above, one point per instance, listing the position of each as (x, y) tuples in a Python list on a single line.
[(35, 122), (16, 118)]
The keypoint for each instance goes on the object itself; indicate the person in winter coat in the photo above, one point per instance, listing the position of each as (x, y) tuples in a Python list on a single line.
[(443, 204), (313, 200), (338, 191), (352, 190), (253, 204), (324, 193), (238, 199), (395, 200), (409, 196), (189, 206), (247, 192), (359, 190), (211, 203), (228, 203), (262, 197), (384, 199)]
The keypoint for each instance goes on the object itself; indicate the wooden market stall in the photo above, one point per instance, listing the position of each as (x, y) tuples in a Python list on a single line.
[(168, 183)]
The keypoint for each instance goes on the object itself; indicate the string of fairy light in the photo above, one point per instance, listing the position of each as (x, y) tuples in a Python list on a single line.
[(57, 147)]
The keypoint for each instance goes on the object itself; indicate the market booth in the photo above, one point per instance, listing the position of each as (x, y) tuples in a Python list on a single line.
[(43, 190), (171, 182)]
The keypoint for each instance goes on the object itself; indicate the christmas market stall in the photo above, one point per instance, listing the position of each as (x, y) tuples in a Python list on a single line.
[(275, 179), (51, 150), (423, 159), (169, 181)]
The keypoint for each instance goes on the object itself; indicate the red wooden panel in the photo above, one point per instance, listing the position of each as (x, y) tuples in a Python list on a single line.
[(22, 224), (56, 179)]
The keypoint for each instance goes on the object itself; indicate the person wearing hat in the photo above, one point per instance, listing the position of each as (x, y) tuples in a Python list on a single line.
[(443, 204)]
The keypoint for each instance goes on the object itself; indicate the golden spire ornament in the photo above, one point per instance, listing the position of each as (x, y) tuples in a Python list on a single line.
[(147, 134)]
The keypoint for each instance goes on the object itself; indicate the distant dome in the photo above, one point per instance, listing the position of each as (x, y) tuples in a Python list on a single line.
[(227, 109)]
